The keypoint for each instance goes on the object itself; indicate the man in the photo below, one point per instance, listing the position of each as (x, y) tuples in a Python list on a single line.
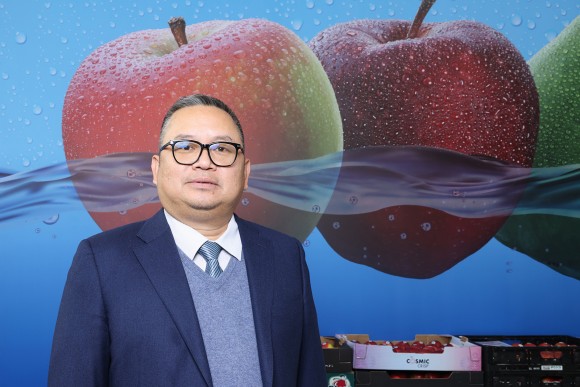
[(148, 305)]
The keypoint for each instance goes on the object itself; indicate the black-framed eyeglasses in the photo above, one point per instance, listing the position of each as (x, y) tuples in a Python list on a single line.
[(187, 152)]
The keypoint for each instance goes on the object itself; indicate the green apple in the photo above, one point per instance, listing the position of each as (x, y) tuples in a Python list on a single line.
[(553, 239)]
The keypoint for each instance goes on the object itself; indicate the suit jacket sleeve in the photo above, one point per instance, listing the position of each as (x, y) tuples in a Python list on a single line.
[(80, 350), (311, 370)]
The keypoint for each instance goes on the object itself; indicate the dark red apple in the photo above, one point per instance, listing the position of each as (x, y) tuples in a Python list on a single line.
[(460, 86), (268, 75)]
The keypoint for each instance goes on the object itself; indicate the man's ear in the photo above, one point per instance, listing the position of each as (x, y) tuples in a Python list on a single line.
[(247, 168), (155, 167)]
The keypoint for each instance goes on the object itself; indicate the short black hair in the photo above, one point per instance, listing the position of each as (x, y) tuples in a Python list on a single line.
[(199, 100)]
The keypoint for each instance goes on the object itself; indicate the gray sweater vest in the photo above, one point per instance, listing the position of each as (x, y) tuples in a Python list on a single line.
[(224, 310)]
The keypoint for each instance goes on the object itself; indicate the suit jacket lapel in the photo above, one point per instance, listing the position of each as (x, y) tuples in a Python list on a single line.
[(159, 257), (257, 256)]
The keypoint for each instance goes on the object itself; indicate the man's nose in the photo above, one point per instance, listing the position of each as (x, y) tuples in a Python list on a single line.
[(204, 160)]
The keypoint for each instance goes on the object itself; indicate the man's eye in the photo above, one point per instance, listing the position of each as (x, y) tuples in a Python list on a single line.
[(185, 146)]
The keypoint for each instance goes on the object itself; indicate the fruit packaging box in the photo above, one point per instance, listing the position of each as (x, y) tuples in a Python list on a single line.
[(545, 354), (424, 353), (418, 378)]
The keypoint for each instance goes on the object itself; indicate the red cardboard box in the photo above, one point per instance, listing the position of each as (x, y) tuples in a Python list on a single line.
[(455, 354)]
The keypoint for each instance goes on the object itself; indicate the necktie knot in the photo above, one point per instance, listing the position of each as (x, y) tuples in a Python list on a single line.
[(210, 251)]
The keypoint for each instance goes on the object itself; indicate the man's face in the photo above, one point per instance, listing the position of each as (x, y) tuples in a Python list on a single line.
[(201, 189)]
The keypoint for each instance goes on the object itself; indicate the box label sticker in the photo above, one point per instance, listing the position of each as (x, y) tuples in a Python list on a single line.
[(552, 368)]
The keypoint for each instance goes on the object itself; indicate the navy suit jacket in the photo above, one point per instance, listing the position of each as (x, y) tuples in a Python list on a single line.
[(127, 317)]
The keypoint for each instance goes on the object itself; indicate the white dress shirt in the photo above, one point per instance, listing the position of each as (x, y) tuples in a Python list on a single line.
[(190, 240)]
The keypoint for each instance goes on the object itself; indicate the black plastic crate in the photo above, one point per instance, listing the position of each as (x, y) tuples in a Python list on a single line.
[(500, 356), (532, 379), (337, 358), (418, 378)]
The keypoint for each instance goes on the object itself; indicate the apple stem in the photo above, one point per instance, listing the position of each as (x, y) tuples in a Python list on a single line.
[(419, 17), (177, 25)]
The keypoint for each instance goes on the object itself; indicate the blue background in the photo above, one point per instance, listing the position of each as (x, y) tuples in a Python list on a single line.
[(494, 291)]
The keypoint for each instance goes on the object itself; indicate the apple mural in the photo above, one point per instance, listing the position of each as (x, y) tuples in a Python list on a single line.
[(271, 79), (458, 85), (552, 238)]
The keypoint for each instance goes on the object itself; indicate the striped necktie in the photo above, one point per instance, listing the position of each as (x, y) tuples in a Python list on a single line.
[(210, 251)]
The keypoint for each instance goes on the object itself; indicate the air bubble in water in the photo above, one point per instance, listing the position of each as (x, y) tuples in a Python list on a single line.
[(20, 38), (51, 220), (36, 109)]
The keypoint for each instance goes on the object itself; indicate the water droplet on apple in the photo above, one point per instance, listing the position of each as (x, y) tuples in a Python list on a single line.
[(245, 202), (336, 225), (426, 226), (316, 208), (20, 38), (239, 54), (266, 104), (403, 236), (391, 217)]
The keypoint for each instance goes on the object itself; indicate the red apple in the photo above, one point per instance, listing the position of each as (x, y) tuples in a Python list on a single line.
[(118, 96), (460, 86)]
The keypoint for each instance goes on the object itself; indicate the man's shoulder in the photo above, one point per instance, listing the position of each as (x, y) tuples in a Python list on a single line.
[(121, 234), (263, 231), (131, 230)]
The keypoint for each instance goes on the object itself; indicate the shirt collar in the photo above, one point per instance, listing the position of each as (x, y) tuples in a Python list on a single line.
[(190, 240)]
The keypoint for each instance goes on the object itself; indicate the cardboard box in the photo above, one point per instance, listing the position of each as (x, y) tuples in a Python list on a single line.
[(414, 379), (457, 354)]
